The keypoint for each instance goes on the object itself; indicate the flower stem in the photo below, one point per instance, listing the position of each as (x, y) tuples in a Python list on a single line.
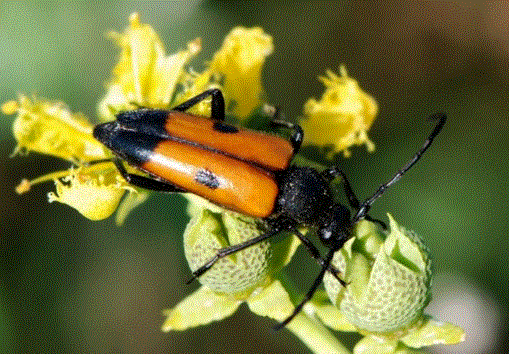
[(316, 336), (309, 329)]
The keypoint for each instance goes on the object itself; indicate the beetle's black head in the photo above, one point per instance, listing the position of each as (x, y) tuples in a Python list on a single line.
[(337, 229)]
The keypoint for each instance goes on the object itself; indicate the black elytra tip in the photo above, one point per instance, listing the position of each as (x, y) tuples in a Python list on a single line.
[(224, 127)]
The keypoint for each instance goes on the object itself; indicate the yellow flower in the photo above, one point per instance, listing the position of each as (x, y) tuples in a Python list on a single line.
[(239, 62), (104, 197), (50, 128), (236, 68), (342, 117), (144, 75)]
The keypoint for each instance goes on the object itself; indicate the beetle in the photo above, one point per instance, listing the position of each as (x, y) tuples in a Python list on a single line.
[(246, 171)]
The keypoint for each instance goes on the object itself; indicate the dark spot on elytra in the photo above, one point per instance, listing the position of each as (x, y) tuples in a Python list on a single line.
[(207, 178)]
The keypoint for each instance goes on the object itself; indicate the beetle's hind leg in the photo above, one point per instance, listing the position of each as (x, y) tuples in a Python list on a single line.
[(232, 249), (146, 182)]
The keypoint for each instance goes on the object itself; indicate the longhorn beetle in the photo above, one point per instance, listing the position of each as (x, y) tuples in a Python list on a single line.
[(241, 170)]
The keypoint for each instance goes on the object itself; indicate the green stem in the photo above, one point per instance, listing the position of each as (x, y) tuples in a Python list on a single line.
[(315, 335), (277, 303), (310, 330)]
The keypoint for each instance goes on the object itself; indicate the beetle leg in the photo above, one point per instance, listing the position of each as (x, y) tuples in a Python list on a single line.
[(334, 172), (137, 180), (217, 103), (232, 249), (378, 221), (276, 227), (311, 291), (146, 182), (297, 134), (316, 255), (96, 162)]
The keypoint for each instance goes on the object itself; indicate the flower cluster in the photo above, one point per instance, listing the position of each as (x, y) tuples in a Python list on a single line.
[(387, 272)]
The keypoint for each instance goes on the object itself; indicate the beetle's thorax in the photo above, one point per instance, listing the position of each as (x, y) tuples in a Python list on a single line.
[(304, 196)]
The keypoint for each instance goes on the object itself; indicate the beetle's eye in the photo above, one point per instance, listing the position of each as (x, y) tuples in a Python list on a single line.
[(325, 234)]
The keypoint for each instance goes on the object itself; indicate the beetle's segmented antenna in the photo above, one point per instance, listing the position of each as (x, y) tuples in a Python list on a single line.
[(366, 205)]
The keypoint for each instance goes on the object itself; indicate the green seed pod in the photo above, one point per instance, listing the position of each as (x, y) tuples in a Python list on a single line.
[(207, 232), (389, 281)]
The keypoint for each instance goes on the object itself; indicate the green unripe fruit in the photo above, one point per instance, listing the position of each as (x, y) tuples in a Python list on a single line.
[(389, 281), (207, 232)]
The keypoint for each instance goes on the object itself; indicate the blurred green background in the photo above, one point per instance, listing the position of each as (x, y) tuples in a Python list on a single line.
[(70, 285)]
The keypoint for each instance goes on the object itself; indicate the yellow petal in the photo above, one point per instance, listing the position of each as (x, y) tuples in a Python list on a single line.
[(10, 107), (200, 308), (128, 204), (433, 332), (50, 128), (239, 62), (144, 75), (342, 117), (91, 195)]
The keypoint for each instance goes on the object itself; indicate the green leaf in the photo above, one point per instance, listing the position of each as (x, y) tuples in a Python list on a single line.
[(375, 345), (434, 332), (329, 314), (200, 308)]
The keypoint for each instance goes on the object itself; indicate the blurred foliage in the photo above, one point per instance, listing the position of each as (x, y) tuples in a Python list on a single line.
[(72, 285)]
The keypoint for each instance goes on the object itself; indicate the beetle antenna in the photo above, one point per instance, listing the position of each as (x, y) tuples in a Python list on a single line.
[(366, 205)]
